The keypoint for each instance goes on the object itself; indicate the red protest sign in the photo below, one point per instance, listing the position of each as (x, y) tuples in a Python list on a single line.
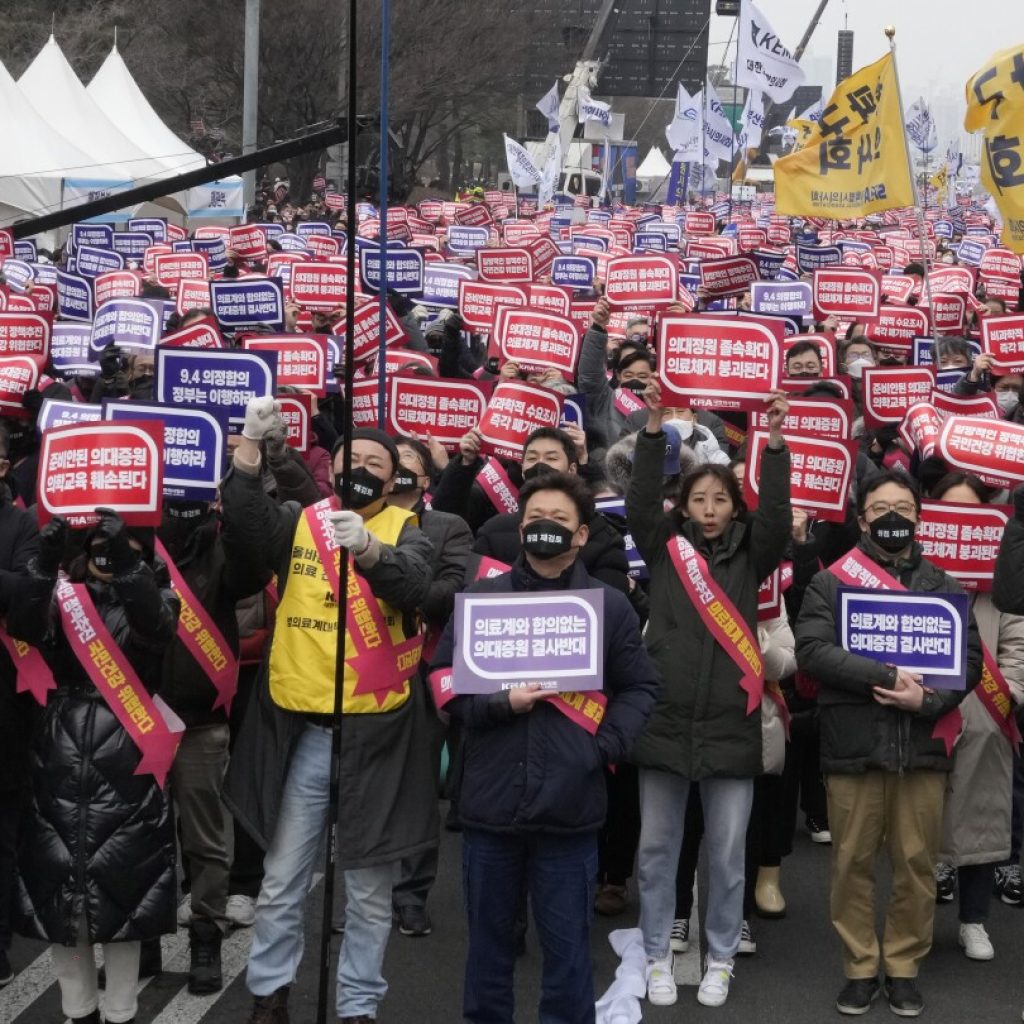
[(319, 284), (820, 473), (750, 238), (505, 266), (204, 333), (519, 232), (729, 275), (405, 360), (991, 450), (824, 343), (899, 287), (322, 246), (444, 409), (192, 295), (846, 291), (543, 252), (150, 255), (710, 248), (6, 244), (896, 327), (476, 216), (1002, 337), (921, 427), (812, 417), (983, 405), (364, 402), (550, 298), (170, 268), (963, 540), (18, 375), (951, 279), (719, 362), (25, 334), (247, 242), (301, 359), (642, 281), (479, 302), (1008, 291), (889, 391), (948, 313), (515, 410), (536, 340), (120, 465), (699, 223), (297, 413), (117, 284), (1000, 264), (366, 336)]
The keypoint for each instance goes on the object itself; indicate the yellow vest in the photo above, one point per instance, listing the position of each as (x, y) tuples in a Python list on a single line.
[(303, 653)]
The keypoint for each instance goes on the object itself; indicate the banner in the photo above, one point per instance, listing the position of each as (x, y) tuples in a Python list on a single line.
[(301, 359), (763, 64), (718, 134), (821, 470), (963, 540), (505, 641), (921, 126), (889, 391), (855, 161), (521, 168), (846, 292), (465, 240), (248, 302), (685, 133), (719, 362), (535, 340), (128, 323), (642, 281), (25, 334), (994, 451), (443, 409), (218, 380), (1002, 337), (730, 275), (515, 410), (101, 465), (248, 241)]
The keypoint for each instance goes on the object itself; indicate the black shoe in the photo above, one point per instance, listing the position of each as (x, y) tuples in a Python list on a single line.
[(857, 996), (413, 921), (6, 974), (945, 883), (204, 974), (150, 963), (904, 996), (272, 1009), (1008, 886), (93, 1018)]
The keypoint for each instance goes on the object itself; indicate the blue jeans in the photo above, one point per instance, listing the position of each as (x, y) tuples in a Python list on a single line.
[(560, 873), (726, 805), (288, 868)]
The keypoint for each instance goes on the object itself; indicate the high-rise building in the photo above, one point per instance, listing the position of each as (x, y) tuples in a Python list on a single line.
[(844, 55)]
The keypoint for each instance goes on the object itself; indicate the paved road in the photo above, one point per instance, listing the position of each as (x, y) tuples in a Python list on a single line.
[(792, 979)]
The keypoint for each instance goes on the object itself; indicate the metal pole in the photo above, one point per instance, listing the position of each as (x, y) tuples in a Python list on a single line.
[(346, 382), (250, 93), (385, 74)]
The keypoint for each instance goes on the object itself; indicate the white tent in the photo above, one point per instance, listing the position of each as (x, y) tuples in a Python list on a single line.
[(654, 166), (114, 91)]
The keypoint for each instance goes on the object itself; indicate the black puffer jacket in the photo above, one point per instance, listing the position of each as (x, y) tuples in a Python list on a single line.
[(857, 733), (540, 771), (99, 839)]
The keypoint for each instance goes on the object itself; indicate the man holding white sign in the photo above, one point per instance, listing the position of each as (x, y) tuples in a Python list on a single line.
[(533, 791)]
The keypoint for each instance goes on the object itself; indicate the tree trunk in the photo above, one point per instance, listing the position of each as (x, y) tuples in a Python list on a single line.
[(457, 160), (444, 167)]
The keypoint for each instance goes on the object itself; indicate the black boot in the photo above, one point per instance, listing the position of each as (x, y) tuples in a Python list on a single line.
[(93, 1018), (204, 975), (272, 1009), (150, 963)]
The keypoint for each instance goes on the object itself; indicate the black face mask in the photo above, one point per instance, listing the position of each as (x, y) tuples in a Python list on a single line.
[(892, 532), (536, 470), (98, 553), (636, 386), (405, 481), (546, 539), (804, 375), (366, 488)]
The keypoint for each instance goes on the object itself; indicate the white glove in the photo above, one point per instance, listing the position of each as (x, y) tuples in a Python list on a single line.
[(261, 416), (349, 532)]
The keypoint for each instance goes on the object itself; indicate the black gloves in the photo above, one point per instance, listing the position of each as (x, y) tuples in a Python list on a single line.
[(53, 538), (122, 556), (110, 362)]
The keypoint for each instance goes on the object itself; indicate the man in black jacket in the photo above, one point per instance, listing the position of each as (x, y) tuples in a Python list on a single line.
[(533, 793), (885, 769)]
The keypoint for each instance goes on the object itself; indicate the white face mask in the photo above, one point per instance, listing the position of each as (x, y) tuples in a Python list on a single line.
[(855, 367), (1008, 401), (685, 427)]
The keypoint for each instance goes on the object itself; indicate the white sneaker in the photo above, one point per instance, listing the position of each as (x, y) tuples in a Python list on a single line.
[(975, 941), (241, 911), (714, 986), (661, 984), (679, 939), (185, 912)]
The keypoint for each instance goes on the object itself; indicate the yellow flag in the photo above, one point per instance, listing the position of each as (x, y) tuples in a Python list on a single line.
[(995, 106), (854, 161), (804, 130)]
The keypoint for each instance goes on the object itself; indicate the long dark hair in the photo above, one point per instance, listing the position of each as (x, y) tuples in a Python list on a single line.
[(951, 480), (725, 476)]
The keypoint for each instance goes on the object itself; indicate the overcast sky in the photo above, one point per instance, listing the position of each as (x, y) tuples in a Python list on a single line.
[(939, 43)]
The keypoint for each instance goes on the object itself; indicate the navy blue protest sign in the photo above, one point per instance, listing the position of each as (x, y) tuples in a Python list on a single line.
[(574, 409), (816, 257), (98, 236), (441, 283), (970, 251), (306, 228), (923, 353), (589, 242), (154, 226), (790, 298), (404, 270), (248, 302), (194, 445), (18, 274), (215, 379), (573, 271), (25, 249), (91, 262), (768, 263), (466, 240), (653, 241), (54, 413), (74, 297), (922, 633), (617, 507), (291, 243), (213, 249), (70, 353), (129, 323), (785, 274), (132, 245), (943, 229)]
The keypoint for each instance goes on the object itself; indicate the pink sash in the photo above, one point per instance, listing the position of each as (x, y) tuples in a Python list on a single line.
[(500, 491), (33, 674)]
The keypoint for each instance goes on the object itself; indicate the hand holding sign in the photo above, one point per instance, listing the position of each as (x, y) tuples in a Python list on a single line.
[(655, 410), (601, 314), (906, 695), (522, 698), (121, 556), (778, 410), (53, 539)]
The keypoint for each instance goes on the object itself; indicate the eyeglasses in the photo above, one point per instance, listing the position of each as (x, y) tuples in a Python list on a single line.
[(881, 508)]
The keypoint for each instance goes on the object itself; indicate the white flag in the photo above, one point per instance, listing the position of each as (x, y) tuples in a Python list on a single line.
[(762, 62), (813, 112), (552, 169), (589, 109), (549, 105), (718, 140), (685, 132), (921, 127), (520, 165), (751, 122)]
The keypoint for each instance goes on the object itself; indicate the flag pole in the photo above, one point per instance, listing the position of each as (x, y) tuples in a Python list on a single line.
[(385, 83), (890, 34)]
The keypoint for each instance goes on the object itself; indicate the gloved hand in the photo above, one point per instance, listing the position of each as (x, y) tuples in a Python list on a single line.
[(261, 416), (349, 531), (276, 441), (123, 557), (110, 362), (53, 538)]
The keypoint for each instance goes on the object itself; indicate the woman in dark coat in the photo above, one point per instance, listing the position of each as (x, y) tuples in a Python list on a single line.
[(706, 726), (96, 863)]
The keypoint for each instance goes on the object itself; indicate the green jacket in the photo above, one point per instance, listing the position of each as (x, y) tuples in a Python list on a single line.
[(700, 727)]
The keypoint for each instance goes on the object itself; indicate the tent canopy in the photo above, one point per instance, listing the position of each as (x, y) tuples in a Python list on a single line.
[(654, 165)]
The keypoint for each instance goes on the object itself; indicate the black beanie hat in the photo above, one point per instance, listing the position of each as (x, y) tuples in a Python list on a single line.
[(370, 434)]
